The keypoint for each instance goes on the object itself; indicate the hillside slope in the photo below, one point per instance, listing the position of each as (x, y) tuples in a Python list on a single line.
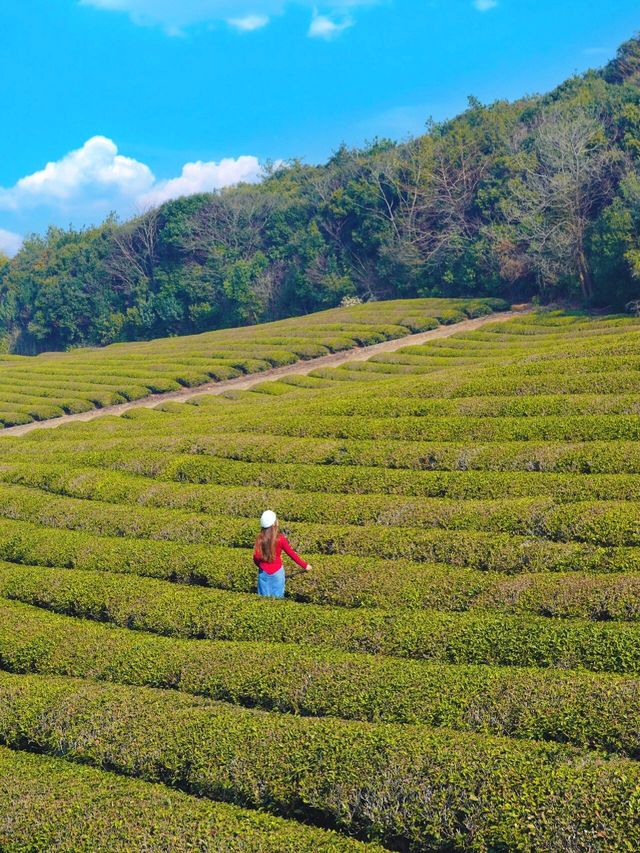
[(460, 670), (54, 384), (538, 197), (291, 374)]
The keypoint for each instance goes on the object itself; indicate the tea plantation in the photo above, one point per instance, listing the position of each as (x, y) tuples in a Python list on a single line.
[(54, 384), (459, 671)]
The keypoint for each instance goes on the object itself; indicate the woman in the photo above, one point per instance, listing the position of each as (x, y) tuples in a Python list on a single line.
[(267, 556)]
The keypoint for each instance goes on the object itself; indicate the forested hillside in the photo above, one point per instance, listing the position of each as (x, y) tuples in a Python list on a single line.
[(536, 198)]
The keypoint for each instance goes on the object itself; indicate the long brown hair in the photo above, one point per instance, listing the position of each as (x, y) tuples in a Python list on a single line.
[(266, 543)]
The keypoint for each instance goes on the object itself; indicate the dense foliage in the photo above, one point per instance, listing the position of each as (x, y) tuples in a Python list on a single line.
[(365, 778), (459, 671), (597, 710), (540, 197), (49, 804)]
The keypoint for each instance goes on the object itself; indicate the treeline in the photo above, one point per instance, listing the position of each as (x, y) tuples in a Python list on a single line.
[(539, 198)]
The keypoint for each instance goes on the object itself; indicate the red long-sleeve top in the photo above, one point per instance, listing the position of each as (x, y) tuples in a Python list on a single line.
[(282, 544)]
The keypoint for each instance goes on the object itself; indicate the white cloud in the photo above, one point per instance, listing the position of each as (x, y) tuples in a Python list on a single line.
[(10, 243), (485, 5), (96, 168), (174, 17), (249, 23), (325, 28), (95, 179), (203, 177)]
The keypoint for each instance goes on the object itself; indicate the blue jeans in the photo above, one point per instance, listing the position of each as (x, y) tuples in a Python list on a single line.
[(271, 585)]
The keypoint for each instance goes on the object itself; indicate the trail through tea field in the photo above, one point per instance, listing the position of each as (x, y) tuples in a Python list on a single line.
[(300, 368)]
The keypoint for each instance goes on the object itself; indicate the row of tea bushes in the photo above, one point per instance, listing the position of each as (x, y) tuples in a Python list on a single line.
[(525, 795), (149, 433), (49, 804), (138, 532), (86, 378), (119, 444), (595, 711), (488, 549), (603, 522), (83, 474), (196, 612), (340, 580), (469, 429), (500, 385), (485, 407)]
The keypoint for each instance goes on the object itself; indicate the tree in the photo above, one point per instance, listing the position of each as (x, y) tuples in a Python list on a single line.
[(133, 259), (241, 291), (626, 65), (538, 197), (567, 177)]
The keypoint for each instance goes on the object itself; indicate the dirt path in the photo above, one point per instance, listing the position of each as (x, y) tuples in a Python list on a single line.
[(245, 382)]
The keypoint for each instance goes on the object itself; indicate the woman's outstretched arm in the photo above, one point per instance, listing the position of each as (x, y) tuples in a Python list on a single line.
[(288, 550)]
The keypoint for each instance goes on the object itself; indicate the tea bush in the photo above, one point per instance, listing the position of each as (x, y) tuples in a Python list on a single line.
[(459, 671), (193, 612), (596, 711), (135, 370), (49, 804), (535, 796)]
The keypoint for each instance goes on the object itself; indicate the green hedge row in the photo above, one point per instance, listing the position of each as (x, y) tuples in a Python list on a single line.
[(110, 375), (132, 372), (345, 375), (86, 470), (80, 386), (486, 407), (470, 549), (49, 804), (42, 412), (352, 400), (354, 479), (620, 382), (196, 612), (411, 787), (42, 386), (595, 333), (490, 549), (405, 431), (550, 323), (12, 418), (118, 443), (339, 580), (534, 361), (384, 370), (608, 523), (299, 380), (447, 399), (457, 384), (594, 711), (169, 376), (108, 438), (429, 358), (574, 381), (274, 389), (452, 429), (587, 362), (484, 345)]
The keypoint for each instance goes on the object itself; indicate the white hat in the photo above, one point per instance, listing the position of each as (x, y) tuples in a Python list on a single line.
[(268, 518)]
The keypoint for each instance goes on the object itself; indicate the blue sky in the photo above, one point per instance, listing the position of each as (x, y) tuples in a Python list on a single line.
[(119, 104)]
